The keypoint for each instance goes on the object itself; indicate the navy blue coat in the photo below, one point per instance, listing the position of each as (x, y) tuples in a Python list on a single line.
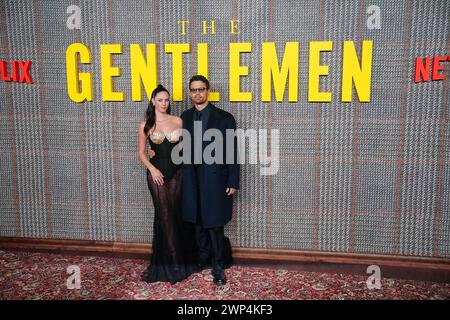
[(216, 206)]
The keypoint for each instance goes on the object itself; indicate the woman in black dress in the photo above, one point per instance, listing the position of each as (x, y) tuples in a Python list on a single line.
[(173, 240)]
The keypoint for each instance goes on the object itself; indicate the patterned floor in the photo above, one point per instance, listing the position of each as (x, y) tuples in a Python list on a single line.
[(26, 275)]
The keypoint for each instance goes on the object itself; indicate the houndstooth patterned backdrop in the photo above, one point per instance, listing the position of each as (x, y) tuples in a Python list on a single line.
[(354, 177)]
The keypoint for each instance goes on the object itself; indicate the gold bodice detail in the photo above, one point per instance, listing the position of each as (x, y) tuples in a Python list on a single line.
[(158, 137)]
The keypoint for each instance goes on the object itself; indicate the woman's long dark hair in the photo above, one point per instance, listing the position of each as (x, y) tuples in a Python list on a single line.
[(150, 116)]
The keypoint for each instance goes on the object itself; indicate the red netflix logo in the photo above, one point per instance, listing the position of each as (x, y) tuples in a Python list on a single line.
[(422, 69), (20, 71)]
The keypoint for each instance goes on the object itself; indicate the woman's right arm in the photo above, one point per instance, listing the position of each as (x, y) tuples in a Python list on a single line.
[(142, 143), (157, 176)]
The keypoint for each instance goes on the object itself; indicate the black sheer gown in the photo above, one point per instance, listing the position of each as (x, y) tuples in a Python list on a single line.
[(173, 257)]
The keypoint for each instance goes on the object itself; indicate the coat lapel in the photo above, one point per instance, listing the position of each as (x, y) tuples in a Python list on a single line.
[(189, 121), (212, 121)]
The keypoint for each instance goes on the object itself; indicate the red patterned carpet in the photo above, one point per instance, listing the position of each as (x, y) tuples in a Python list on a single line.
[(26, 275)]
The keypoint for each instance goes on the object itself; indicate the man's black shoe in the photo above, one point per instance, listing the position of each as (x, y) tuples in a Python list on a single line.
[(219, 278)]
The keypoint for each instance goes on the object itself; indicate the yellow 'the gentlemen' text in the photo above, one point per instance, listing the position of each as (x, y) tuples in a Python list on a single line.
[(278, 71)]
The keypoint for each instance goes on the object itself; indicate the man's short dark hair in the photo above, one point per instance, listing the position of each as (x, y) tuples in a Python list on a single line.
[(199, 77)]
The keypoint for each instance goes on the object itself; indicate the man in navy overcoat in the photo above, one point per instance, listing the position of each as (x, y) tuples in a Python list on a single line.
[(208, 188)]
